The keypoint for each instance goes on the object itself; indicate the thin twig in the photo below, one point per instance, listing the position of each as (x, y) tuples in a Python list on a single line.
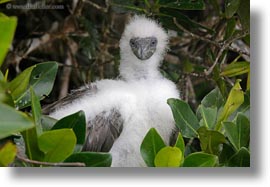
[(217, 44), (65, 76), (105, 10), (191, 91), (71, 164), (222, 45), (225, 46)]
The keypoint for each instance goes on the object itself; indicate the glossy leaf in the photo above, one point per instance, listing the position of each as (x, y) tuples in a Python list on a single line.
[(244, 107), (20, 83), (1, 76), (150, 146), (91, 159), (221, 83), (208, 116), (183, 4), (181, 145), (213, 99), (57, 144), (200, 159), (225, 155), (234, 100), (240, 159), (47, 122), (236, 68), (8, 152), (13, 121), (244, 14), (32, 149), (230, 28), (238, 133), (215, 4), (184, 117), (30, 136), (7, 30), (42, 80), (5, 96), (231, 6), (211, 141), (169, 157), (36, 111), (77, 123), (166, 16), (248, 81)]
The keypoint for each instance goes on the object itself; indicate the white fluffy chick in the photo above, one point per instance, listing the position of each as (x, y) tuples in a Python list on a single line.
[(120, 112)]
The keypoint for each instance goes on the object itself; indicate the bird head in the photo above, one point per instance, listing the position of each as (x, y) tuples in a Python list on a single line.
[(142, 46)]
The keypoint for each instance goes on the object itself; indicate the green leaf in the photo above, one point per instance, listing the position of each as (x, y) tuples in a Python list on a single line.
[(234, 100), (36, 111), (47, 122), (200, 159), (239, 133), (240, 159), (91, 159), (13, 121), (42, 80), (150, 146), (7, 30), (244, 107), (231, 6), (30, 136), (248, 81), (123, 6), (32, 149), (169, 157), (244, 14), (181, 145), (166, 16), (1, 76), (225, 155), (77, 123), (213, 99), (230, 28), (4, 1), (208, 116), (57, 144), (20, 84), (184, 117), (216, 6), (236, 68), (211, 141), (183, 4), (221, 83), (5, 96), (8, 152)]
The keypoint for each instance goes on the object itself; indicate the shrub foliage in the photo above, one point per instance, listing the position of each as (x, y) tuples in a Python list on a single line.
[(209, 60)]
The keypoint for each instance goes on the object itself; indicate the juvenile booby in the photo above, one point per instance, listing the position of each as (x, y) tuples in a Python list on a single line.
[(120, 112)]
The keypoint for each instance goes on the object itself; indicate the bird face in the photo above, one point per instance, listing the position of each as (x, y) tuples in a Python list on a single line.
[(143, 48)]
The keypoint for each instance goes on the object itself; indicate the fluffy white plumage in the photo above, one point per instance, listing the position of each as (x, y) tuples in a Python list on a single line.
[(141, 97)]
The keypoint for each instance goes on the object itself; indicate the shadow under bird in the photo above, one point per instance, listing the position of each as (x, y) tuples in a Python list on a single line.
[(120, 112)]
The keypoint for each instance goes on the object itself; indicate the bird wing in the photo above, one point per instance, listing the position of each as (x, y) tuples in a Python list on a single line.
[(103, 130), (88, 89)]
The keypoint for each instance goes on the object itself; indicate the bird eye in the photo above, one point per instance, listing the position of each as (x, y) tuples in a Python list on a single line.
[(153, 42), (132, 43)]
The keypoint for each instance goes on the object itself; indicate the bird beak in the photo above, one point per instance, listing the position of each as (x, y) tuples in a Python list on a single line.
[(142, 53), (143, 48)]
